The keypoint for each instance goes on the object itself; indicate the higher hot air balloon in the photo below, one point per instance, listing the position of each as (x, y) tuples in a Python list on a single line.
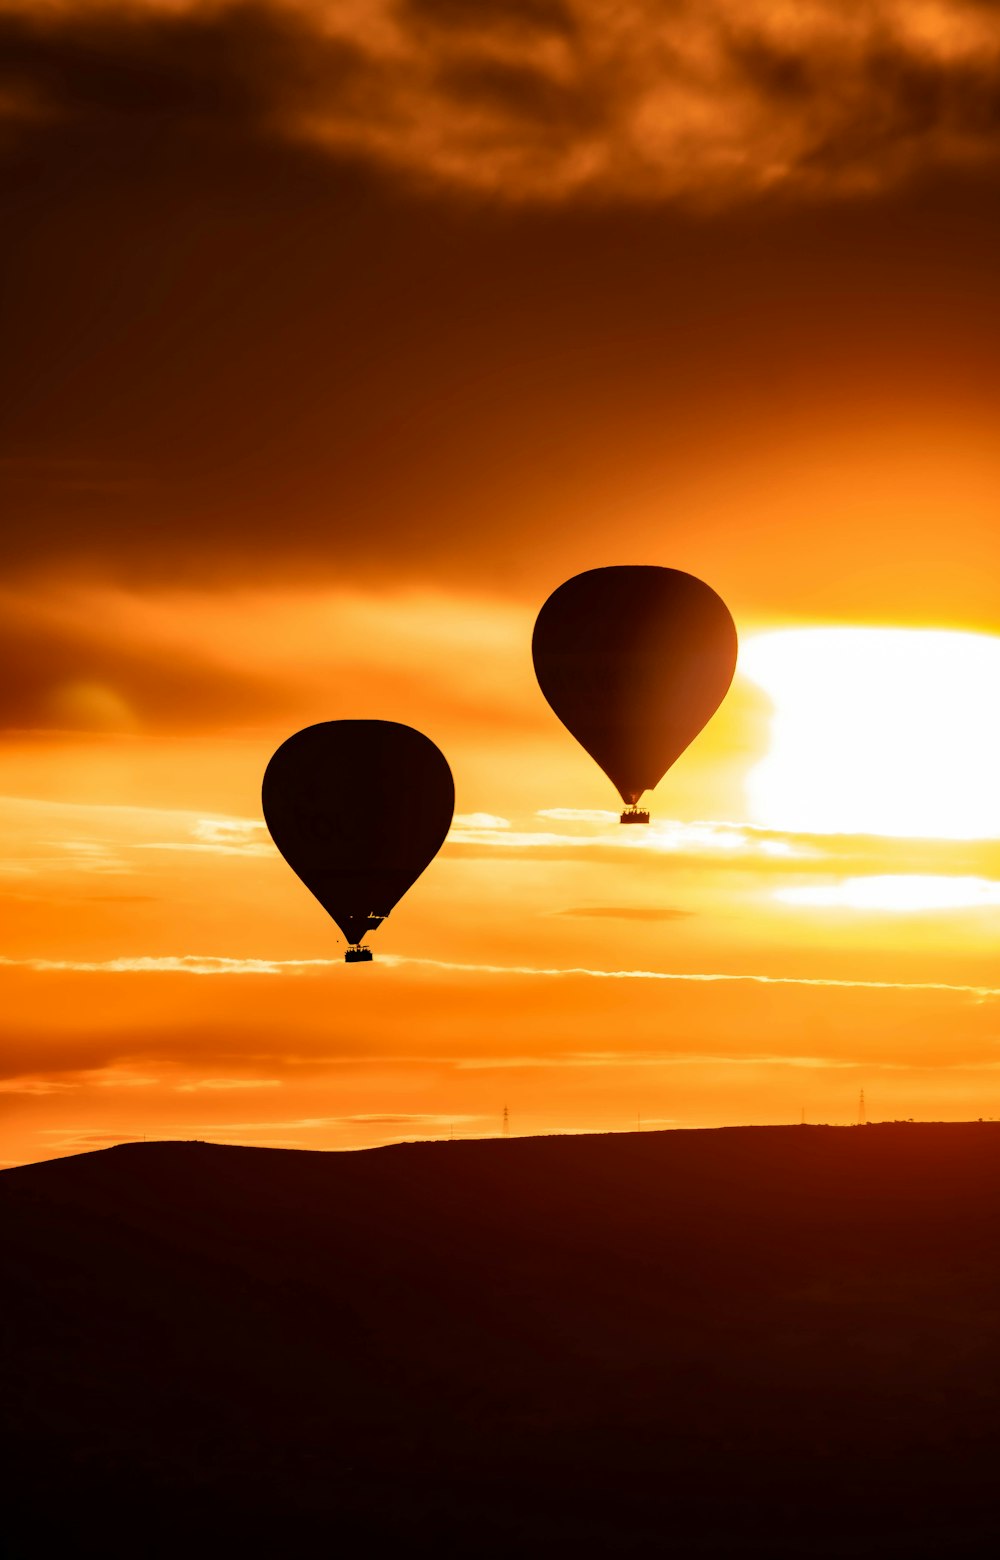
[(634, 660), (358, 808)]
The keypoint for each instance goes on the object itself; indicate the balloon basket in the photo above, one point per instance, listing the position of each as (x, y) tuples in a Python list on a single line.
[(635, 815), (358, 956)]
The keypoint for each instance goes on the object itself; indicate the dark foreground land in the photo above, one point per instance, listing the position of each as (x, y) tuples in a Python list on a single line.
[(754, 1341)]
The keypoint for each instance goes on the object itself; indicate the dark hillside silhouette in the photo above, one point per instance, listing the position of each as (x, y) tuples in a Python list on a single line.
[(753, 1341)]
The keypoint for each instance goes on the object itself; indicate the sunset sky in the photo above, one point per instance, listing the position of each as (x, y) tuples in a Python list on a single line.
[(336, 336)]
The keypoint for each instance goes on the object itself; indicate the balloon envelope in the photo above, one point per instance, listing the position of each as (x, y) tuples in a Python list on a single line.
[(358, 808), (634, 660)]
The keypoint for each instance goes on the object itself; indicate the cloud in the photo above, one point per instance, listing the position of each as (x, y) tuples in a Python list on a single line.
[(197, 964), (903, 894), (63, 840), (113, 1073), (599, 833), (93, 661), (788, 854), (598, 1059), (701, 978), (31, 1086), (316, 1123), (180, 1051), (225, 1085), (122, 899), (220, 837), (61, 858), (230, 833), (167, 964), (304, 238), (91, 856), (578, 815), (629, 912), (543, 101), (198, 659), (412, 1118)]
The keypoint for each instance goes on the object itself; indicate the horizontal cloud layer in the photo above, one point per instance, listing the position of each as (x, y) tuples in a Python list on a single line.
[(198, 964), (111, 661)]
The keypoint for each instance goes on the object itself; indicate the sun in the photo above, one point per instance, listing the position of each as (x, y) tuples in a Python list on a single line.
[(878, 731)]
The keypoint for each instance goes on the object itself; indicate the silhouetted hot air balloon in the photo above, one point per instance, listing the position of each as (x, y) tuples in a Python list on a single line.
[(358, 808), (634, 660)]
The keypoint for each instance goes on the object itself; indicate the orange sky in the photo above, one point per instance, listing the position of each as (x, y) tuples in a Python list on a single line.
[(335, 338)]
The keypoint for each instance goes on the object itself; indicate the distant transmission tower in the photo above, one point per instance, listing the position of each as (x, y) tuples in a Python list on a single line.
[(803, 1120), (506, 1122), (861, 1108)]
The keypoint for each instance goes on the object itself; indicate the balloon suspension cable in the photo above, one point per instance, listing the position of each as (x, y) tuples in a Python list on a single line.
[(635, 814)]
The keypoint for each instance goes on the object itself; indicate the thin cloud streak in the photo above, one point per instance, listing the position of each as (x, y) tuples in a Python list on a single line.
[(628, 912), (168, 964), (709, 977), (199, 1085), (674, 835), (40, 837), (589, 1059), (195, 964)]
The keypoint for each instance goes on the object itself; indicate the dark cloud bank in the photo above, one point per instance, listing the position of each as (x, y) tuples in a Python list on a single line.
[(382, 299)]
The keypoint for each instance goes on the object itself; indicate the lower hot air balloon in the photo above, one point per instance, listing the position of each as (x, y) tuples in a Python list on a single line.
[(634, 660), (358, 809)]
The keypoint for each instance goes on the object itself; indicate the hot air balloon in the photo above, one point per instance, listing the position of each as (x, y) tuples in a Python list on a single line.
[(358, 808), (634, 661)]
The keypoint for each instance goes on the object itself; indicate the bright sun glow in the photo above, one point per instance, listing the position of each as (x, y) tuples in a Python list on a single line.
[(879, 731)]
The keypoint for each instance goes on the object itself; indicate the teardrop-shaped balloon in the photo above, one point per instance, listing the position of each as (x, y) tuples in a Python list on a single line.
[(634, 660), (358, 809)]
